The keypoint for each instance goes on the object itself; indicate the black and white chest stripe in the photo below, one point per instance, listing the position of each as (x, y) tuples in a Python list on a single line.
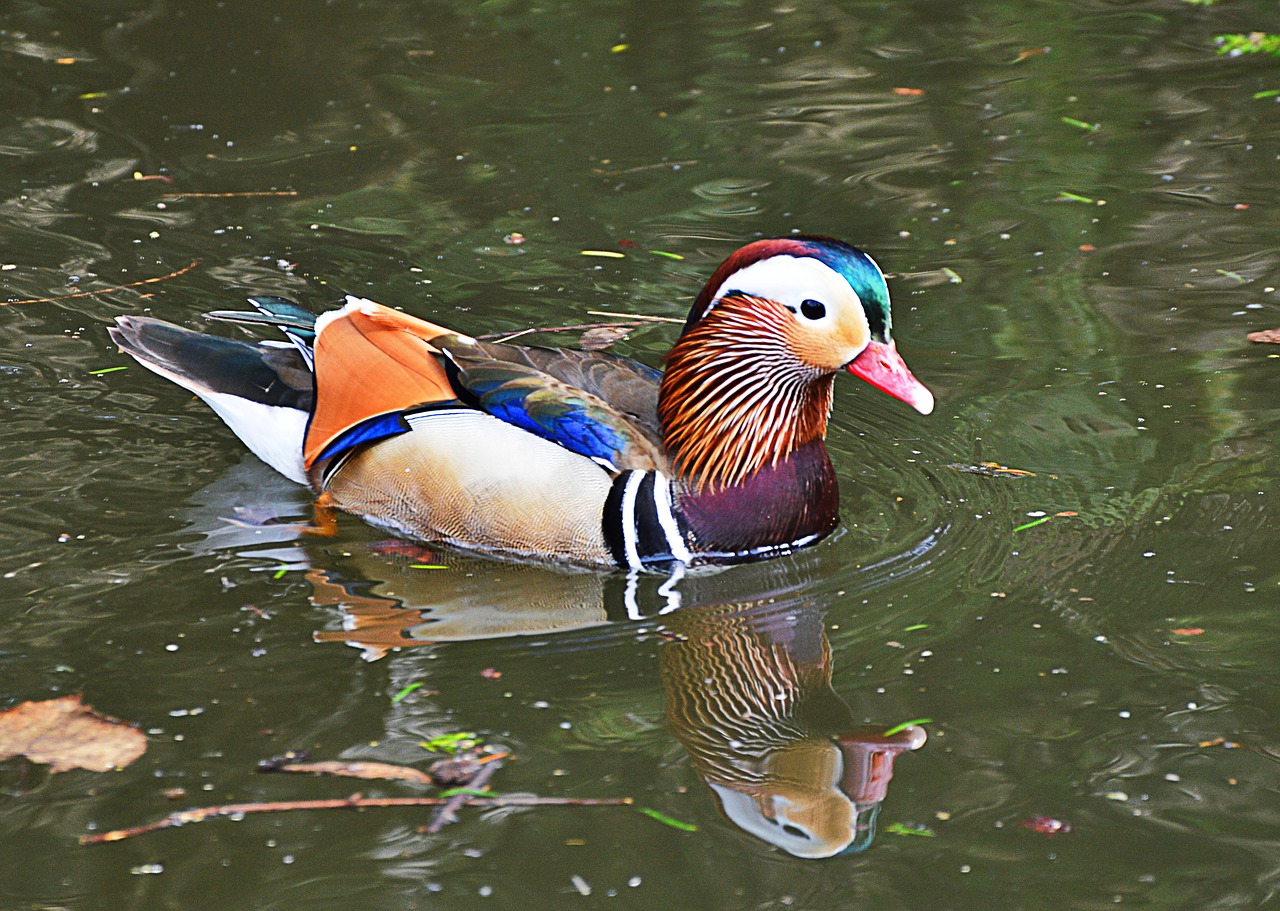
[(641, 527)]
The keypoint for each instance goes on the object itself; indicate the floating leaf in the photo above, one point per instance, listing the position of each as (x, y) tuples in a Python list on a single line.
[(899, 728), (1266, 93), (1029, 52), (1081, 124), (67, 734), (667, 820), (451, 743), (607, 254), (280, 573), (427, 566), (1232, 275), (914, 627), (106, 370), (666, 254), (897, 828), (1039, 521), (1252, 43), (1064, 196)]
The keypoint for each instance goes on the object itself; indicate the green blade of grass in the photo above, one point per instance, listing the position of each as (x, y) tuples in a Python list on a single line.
[(667, 820), (1081, 124), (405, 692), (468, 792), (899, 728)]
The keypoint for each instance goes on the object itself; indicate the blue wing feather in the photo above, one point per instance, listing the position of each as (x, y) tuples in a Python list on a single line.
[(560, 395)]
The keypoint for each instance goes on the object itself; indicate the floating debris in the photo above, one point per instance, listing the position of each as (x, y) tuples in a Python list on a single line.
[(899, 728), (67, 734), (993, 470), (1081, 124), (667, 820), (406, 691), (1046, 825)]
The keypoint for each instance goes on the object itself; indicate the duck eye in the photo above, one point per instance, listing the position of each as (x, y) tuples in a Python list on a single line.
[(813, 309)]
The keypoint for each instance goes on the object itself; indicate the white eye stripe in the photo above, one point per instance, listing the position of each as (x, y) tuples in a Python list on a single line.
[(791, 280)]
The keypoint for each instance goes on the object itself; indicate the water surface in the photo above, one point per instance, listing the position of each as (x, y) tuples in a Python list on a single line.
[(1094, 339)]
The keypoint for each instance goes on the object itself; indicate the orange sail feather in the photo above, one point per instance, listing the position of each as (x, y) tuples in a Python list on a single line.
[(370, 359)]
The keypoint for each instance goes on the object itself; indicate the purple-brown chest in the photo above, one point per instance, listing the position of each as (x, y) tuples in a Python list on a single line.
[(788, 504)]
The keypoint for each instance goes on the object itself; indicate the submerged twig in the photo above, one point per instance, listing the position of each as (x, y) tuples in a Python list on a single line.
[(354, 802), (146, 281)]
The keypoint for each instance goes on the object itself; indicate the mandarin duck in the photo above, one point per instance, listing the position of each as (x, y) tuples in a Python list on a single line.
[(557, 454)]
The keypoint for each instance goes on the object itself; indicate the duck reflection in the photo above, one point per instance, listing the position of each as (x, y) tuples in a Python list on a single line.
[(747, 685), (748, 694)]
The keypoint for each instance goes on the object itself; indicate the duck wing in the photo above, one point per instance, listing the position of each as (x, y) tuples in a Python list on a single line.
[(596, 404)]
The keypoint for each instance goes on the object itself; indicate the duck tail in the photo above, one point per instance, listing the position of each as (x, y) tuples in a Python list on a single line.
[(265, 393)]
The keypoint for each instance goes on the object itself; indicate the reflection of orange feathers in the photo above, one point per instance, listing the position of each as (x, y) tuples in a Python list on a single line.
[(370, 359)]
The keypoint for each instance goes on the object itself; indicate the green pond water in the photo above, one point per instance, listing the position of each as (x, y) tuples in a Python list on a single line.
[(1078, 300)]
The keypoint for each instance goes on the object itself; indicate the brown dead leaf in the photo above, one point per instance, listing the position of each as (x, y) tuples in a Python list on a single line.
[(67, 734), (1265, 336), (1189, 631), (603, 337)]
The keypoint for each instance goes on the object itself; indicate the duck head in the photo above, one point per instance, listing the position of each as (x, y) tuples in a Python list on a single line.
[(750, 379)]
